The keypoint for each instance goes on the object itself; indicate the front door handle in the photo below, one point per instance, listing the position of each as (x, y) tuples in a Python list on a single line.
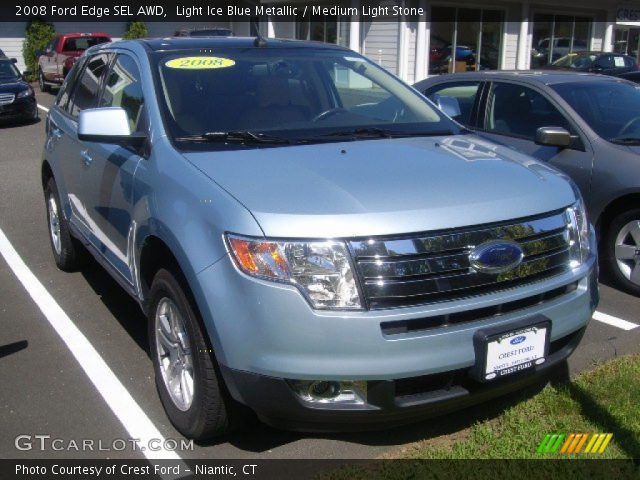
[(56, 131), (86, 158)]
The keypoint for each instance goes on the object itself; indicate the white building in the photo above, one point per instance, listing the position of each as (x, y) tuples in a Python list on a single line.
[(500, 34)]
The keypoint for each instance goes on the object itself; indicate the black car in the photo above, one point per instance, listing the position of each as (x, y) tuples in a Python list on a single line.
[(595, 62), (17, 99), (631, 76)]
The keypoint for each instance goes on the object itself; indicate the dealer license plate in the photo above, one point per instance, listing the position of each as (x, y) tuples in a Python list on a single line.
[(515, 351)]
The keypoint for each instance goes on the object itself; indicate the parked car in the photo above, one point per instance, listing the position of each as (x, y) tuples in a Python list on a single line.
[(308, 236), (60, 55), (631, 76), (17, 99), (585, 125), (595, 62), (205, 32), (440, 58), (559, 47)]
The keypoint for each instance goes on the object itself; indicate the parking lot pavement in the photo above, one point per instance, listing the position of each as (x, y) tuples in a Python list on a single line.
[(45, 390)]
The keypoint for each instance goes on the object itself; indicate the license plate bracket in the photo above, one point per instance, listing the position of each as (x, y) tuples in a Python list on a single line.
[(502, 351)]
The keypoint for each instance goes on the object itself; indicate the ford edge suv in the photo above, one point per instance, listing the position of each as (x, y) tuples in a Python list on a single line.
[(310, 237)]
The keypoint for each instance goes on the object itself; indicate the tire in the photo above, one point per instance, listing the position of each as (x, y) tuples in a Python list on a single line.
[(44, 88), (65, 248), (33, 116), (206, 413), (621, 251)]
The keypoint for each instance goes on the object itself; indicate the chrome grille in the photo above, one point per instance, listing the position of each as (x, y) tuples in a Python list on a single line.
[(7, 98), (435, 266)]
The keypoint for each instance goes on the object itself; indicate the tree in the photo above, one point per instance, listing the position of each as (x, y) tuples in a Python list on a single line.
[(136, 29), (38, 34)]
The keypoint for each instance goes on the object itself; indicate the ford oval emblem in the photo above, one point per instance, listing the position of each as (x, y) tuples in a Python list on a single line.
[(496, 256), (517, 340)]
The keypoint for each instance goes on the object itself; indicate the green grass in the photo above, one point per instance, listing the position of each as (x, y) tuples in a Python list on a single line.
[(606, 399)]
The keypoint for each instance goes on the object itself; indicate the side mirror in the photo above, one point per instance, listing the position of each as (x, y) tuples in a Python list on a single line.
[(13, 60), (448, 105), (108, 125), (553, 137)]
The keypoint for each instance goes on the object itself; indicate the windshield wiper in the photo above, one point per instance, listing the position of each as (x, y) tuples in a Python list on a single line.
[(625, 140), (374, 132), (242, 136)]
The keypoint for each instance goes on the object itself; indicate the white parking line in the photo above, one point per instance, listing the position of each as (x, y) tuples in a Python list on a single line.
[(122, 404), (614, 321), (44, 109)]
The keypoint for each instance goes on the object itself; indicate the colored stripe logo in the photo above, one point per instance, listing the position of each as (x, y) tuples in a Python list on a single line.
[(575, 443)]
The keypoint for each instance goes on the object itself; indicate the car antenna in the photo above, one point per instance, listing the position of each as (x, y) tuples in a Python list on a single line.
[(260, 41)]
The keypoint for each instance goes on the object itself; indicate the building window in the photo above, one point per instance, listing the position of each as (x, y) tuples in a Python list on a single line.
[(474, 35), (626, 40), (555, 36), (329, 30)]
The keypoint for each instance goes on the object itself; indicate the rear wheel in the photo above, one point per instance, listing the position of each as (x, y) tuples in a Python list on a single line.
[(622, 251), (64, 247), (187, 378), (41, 82)]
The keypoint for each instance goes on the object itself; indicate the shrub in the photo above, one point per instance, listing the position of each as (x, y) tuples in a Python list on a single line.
[(38, 34), (136, 29)]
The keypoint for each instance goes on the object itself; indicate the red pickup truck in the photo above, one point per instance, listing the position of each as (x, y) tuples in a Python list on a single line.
[(60, 55)]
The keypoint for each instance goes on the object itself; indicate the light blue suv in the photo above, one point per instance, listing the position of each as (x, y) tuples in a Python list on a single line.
[(310, 237)]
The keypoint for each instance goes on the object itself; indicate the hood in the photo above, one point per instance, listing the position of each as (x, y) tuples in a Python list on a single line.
[(384, 186), (12, 86)]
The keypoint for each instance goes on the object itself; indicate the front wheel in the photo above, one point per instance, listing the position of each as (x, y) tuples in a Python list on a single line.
[(622, 251), (66, 250), (187, 380), (42, 83)]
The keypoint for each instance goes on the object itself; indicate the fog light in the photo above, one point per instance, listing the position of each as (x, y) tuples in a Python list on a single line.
[(330, 391), (324, 390)]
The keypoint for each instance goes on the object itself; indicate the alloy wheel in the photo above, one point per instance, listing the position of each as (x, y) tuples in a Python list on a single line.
[(627, 251), (54, 225), (174, 354)]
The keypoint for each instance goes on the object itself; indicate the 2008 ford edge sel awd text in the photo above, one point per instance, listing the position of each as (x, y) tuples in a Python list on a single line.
[(309, 237)]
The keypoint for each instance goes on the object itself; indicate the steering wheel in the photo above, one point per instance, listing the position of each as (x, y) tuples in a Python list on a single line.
[(628, 125), (329, 113)]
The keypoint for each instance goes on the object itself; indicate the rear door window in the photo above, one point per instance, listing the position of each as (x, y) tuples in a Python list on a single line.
[(465, 92)]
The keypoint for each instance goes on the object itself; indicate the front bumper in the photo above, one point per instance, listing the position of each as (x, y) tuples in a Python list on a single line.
[(19, 108), (389, 403), (265, 333)]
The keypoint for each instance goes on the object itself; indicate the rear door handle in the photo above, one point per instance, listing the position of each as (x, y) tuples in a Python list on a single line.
[(86, 158)]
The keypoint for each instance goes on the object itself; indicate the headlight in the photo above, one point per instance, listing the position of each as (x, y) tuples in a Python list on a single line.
[(578, 232), (25, 93), (320, 269)]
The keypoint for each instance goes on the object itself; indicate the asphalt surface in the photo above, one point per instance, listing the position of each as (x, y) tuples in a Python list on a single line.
[(45, 392)]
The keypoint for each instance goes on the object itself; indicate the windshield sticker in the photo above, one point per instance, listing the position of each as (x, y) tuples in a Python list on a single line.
[(200, 63)]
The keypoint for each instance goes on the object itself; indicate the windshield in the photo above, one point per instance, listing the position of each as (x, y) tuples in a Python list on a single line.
[(610, 107), (8, 69), (82, 43), (288, 93), (575, 61)]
